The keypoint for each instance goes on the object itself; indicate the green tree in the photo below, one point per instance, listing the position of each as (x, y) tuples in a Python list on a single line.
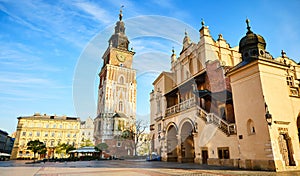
[(63, 149), (36, 146), (86, 143), (101, 147)]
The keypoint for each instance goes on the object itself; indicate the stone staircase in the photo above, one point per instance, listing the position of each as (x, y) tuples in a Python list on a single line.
[(224, 126)]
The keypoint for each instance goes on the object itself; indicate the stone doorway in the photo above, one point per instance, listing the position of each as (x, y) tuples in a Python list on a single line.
[(187, 143), (204, 155)]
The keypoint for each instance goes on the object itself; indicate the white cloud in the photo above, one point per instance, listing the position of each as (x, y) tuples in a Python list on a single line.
[(97, 13)]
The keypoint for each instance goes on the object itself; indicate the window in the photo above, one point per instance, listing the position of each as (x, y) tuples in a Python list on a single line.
[(250, 127), (47, 125), (289, 81), (30, 133), (121, 79), (223, 152), (52, 134), (54, 126), (59, 134), (159, 127), (68, 135), (24, 133), (60, 126), (121, 125), (38, 134), (118, 144), (120, 106), (52, 143), (46, 134), (75, 126), (74, 136)]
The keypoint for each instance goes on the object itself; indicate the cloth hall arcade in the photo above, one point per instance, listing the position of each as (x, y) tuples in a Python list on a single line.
[(232, 106)]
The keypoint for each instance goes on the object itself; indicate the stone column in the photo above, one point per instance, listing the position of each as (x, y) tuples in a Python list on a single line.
[(197, 150), (179, 156)]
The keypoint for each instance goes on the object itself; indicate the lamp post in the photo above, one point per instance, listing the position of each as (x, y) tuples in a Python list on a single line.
[(268, 116)]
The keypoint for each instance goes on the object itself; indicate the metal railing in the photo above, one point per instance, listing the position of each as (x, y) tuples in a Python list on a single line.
[(223, 125), (228, 128)]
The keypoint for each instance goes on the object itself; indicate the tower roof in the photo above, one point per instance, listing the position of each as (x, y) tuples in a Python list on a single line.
[(251, 40), (119, 38)]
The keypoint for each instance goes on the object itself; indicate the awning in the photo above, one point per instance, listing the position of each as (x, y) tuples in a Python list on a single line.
[(85, 150), (4, 154)]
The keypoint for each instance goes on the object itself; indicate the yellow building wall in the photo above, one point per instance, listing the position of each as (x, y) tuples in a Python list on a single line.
[(284, 109), (249, 105), (44, 129)]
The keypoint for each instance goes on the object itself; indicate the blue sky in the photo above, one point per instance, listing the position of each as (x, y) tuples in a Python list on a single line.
[(44, 44)]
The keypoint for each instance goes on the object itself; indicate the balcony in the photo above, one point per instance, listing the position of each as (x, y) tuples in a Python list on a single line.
[(180, 107)]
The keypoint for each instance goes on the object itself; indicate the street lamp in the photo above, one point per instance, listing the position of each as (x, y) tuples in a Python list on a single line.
[(268, 116)]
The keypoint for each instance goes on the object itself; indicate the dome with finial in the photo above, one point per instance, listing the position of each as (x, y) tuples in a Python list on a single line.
[(252, 43)]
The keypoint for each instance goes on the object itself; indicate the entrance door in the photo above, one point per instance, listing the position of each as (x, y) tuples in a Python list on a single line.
[(204, 156)]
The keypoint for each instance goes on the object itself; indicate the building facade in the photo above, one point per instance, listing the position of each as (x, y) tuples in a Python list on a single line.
[(116, 94), (6, 142), (211, 108), (87, 131), (50, 129)]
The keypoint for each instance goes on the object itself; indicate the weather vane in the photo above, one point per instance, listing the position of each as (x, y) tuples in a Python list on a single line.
[(121, 15)]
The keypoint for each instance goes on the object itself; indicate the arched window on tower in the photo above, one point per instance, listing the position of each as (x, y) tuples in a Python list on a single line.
[(120, 106), (250, 127), (121, 80)]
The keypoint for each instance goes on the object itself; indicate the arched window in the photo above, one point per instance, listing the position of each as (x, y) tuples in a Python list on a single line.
[(121, 79), (120, 106), (250, 127)]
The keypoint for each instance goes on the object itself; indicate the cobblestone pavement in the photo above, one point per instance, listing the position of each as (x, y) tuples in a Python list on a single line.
[(123, 167)]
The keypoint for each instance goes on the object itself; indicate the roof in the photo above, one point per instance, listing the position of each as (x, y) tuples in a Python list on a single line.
[(85, 150), (120, 115), (48, 117)]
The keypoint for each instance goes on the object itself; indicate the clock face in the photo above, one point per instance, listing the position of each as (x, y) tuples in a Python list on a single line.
[(120, 57)]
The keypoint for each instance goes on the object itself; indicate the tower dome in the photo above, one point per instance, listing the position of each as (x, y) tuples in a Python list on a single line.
[(252, 45)]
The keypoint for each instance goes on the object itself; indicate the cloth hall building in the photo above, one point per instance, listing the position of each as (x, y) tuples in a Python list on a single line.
[(232, 106)]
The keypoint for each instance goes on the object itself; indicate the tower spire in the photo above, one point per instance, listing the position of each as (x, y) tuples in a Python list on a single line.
[(121, 13), (248, 26)]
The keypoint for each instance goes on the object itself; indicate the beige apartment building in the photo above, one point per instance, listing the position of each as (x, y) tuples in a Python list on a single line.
[(232, 106), (50, 129), (87, 131)]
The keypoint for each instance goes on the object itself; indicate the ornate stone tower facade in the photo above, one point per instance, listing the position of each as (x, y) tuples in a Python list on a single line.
[(116, 93)]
